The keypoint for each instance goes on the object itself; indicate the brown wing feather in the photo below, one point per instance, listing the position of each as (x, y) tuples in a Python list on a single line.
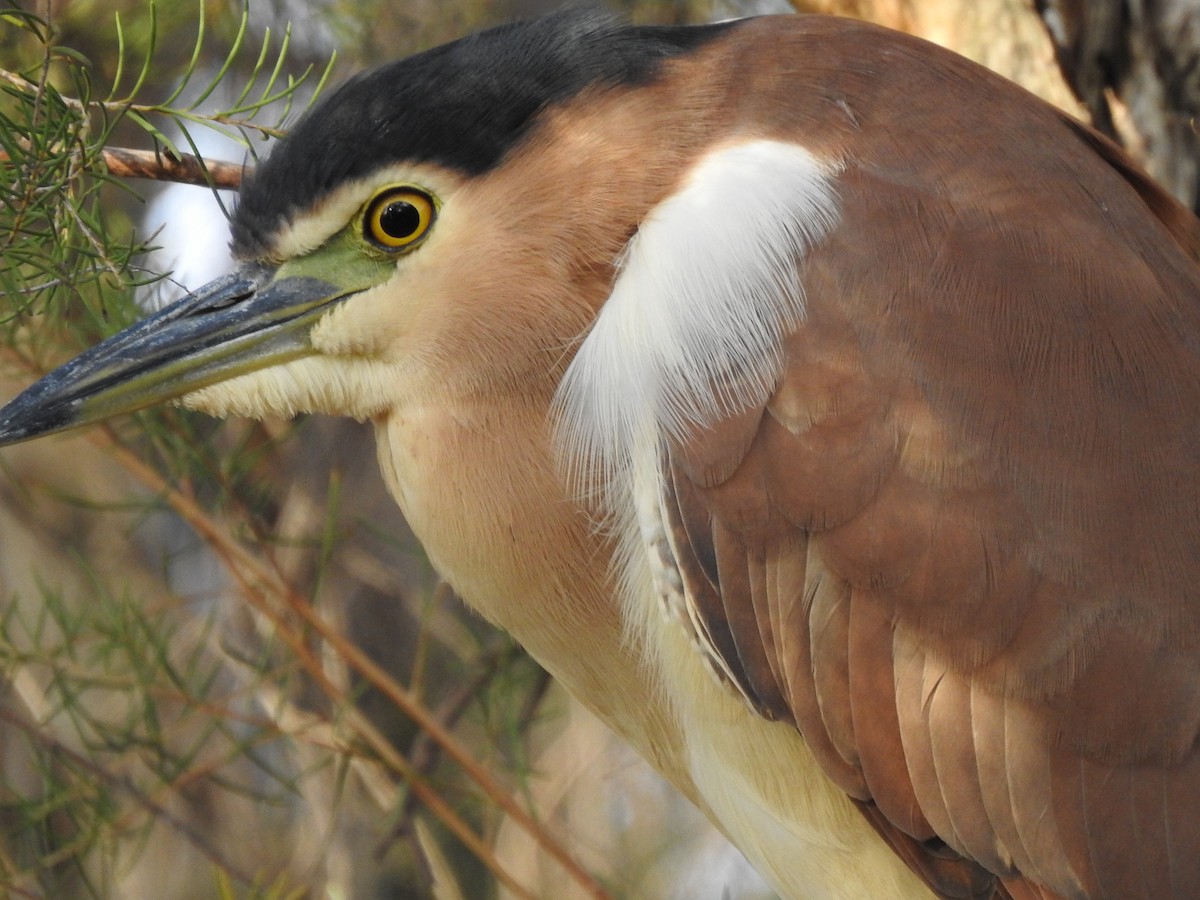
[(960, 546)]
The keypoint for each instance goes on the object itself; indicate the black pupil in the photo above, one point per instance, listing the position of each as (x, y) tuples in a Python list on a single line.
[(400, 219)]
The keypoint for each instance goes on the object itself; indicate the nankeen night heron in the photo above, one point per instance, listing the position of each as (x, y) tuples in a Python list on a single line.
[(821, 409)]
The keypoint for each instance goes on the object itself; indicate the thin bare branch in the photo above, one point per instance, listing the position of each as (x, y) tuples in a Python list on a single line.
[(186, 169), (125, 162)]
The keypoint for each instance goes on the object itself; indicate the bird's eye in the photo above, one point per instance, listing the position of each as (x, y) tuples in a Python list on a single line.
[(398, 218)]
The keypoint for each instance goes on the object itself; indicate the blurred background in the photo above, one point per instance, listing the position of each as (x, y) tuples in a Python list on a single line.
[(226, 669)]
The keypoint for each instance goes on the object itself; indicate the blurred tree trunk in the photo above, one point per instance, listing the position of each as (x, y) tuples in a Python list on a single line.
[(1135, 65)]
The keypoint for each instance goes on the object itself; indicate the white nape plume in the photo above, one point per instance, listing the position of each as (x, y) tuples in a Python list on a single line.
[(705, 292)]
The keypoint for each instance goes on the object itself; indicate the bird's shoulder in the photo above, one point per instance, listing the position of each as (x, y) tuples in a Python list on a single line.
[(962, 533)]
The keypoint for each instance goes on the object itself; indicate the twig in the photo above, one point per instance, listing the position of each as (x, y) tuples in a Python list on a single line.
[(425, 753), (160, 166), (184, 169)]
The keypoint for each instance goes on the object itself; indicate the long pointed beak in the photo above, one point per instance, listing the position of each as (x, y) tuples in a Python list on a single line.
[(238, 323)]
